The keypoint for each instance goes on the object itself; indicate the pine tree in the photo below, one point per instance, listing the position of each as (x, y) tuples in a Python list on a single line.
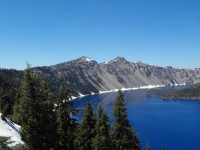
[(36, 113), (147, 146), (7, 92), (30, 110), (6, 103), (86, 130), (162, 146), (137, 142), (48, 120), (66, 125), (102, 139), (16, 117), (123, 133)]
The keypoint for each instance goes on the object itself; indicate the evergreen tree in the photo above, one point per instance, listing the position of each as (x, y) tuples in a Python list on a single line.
[(36, 113), (7, 92), (6, 103), (102, 139), (16, 117), (86, 130), (30, 110), (123, 133), (137, 142), (48, 120), (147, 147), (162, 146), (66, 125)]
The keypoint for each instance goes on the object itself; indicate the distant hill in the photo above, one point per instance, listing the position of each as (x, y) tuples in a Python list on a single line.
[(192, 93), (86, 76)]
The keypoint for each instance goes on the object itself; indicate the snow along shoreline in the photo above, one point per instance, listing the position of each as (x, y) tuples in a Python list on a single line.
[(126, 89), (10, 129)]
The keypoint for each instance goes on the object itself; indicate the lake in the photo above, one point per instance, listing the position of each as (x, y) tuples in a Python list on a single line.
[(175, 123)]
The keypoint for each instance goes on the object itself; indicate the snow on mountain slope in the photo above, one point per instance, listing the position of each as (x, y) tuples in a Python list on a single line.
[(9, 129)]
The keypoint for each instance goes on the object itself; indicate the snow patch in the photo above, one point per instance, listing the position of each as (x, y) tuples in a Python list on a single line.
[(151, 86), (177, 84), (134, 61), (73, 97), (107, 62), (9, 129), (134, 88), (87, 59), (81, 95)]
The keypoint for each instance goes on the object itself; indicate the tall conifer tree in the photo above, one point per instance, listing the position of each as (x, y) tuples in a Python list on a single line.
[(123, 134), (16, 117), (102, 138), (147, 147), (48, 120), (162, 146), (36, 113), (30, 110), (66, 125), (137, 142), (86, 130)]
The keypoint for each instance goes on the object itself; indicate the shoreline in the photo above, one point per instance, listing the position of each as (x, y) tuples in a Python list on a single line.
[(125, 89)]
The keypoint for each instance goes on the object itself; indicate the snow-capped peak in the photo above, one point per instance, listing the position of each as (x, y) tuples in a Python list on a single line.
[(86, 58)]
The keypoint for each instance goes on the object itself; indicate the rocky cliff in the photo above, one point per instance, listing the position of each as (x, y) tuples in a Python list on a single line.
[(86, 76)]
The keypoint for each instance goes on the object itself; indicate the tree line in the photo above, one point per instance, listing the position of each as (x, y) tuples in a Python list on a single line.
[(192, 92), (46, 126)]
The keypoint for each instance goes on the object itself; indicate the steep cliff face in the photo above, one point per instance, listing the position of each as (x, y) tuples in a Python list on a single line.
[(86, 76)]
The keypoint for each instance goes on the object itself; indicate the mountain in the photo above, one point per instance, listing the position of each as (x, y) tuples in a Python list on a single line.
[(86, 76)]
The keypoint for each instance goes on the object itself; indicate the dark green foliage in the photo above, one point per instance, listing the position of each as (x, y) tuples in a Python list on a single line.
[(192, 92), (7, 93), (86, 130), (36, 113), (4, 143), (102, 138), (66, 125), (30, 111), (9, 84), (16, 117), (123, 133), (137, 142), (48, 118)]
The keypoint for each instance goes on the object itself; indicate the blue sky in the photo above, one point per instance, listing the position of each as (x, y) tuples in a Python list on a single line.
[(48, 32)]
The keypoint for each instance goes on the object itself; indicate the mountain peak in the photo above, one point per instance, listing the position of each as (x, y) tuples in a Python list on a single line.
[(83, 58), (119, 59)]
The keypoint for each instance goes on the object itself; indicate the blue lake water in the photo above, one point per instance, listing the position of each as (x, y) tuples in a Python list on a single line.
[(175, 123)]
